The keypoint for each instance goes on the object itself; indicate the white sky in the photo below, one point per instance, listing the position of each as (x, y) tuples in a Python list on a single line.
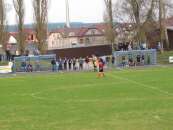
[(80, 11)]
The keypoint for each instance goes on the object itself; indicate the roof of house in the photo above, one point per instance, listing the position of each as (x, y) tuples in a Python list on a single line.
[(12, 40), (79, 32), (66, 31), (29, 30)]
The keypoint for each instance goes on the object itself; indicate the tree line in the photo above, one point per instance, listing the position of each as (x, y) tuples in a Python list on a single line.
[(40, 15), (145, 15)]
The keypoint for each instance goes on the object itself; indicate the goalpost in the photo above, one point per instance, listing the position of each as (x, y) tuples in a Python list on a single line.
[(135, 58), (38, 63)]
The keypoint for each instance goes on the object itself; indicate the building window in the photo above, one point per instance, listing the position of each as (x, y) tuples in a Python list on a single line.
[(58, 36), (81, 41), (53, 43), (93, 39), (93, 32), (71, 34), (87, 40)]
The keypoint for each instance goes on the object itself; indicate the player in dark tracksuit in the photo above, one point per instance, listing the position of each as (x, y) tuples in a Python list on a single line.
[(101, 68)]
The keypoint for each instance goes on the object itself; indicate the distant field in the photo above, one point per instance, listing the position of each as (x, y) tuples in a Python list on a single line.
[(138, 99)]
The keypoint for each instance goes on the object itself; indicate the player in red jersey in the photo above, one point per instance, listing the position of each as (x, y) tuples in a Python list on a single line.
[(101, 68)]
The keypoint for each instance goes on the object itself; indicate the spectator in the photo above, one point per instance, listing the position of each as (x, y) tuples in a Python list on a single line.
[(138, 59), (29, 68), (69, 64), (23, 66), (77, 64), (87, 62), (65, 64), (74, 63), (13, 67), (8, 55), (123, 61), (95, 61), (113, 60), (107, 60), (53, 62), (129, 47), (81, 63), (143, 59), (57, 65), (130, 60), (60, 64)]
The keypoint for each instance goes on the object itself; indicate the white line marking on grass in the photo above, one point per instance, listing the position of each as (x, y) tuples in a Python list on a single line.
[(38, 97), (142, 84), (115, 100), (96, 100), (156, 117), (35, 95)]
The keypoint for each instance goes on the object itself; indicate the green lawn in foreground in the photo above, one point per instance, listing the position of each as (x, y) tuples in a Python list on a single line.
[(139, 99)]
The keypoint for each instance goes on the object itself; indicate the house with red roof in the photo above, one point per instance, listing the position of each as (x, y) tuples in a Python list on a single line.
[(76, 37), (12, 43), (75, 42)]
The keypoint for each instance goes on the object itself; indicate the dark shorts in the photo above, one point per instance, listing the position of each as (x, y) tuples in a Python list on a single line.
[(100, 70)]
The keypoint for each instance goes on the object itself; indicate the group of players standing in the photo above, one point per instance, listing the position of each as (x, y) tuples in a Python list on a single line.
[(74, 64), (98, 64)]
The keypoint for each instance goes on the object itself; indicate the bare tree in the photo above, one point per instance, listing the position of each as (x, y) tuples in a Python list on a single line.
[(138, 12), (161, 25), (165, 7), (110, 34), (136, 8), (146, 15), (3, 33), (40, 15), (19, 8), (141, 14)]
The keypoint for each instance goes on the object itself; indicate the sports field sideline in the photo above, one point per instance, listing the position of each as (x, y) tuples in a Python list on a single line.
[(130, 99)]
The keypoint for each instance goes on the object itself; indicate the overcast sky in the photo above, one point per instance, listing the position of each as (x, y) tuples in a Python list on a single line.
[(80, 11)]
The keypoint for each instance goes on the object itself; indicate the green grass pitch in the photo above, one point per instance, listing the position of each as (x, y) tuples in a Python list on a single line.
[(136, 99)]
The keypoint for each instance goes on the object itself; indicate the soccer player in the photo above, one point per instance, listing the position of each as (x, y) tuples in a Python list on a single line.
[(101, 68)]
